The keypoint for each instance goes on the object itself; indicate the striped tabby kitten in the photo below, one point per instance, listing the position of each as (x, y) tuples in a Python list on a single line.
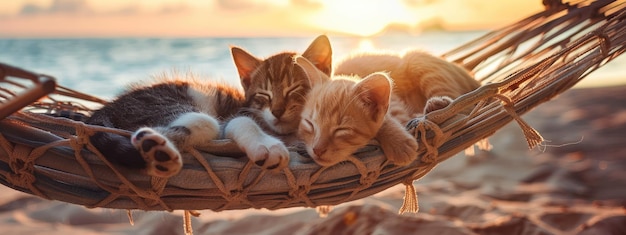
[(177, 114), (174, 115), (275, 88)]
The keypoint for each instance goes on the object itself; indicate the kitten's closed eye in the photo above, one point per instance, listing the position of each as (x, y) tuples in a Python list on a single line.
[(262, 98), (276, 87), (343, 132), (307, 126)]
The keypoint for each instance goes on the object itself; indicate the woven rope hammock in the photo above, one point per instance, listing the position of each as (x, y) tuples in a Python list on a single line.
[(520, 67)]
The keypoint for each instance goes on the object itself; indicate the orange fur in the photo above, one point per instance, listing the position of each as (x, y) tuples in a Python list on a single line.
[(344, 114), (418, 76)]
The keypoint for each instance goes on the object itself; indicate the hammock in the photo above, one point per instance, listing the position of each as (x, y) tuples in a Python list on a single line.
[(44, 153)]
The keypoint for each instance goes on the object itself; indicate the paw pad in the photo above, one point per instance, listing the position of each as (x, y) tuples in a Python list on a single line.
[(162, 158)]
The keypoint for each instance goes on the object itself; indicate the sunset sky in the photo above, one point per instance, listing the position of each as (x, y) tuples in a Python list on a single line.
[(242, 18)]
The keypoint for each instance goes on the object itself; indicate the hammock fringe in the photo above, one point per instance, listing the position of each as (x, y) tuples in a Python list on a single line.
[(45, 148), (187, 228), (410, 203), (533, 138)]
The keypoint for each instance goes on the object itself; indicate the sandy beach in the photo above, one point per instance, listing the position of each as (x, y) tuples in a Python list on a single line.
[(574, 184)]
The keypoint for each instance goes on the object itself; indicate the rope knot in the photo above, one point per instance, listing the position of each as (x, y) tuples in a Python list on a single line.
[(370, 178), (22, 166), (300, 192), (236, 195), (150, 197), (23, 179), (428, 135), (80, 140)]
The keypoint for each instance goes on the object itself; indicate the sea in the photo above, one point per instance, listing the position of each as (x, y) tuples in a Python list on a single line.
[(103, 67)]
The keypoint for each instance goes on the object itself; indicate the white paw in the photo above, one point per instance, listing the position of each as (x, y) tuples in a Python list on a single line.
[(203, 127), (161, 156), (268, 153)]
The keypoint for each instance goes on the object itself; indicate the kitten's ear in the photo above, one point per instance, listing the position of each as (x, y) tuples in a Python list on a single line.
[(320, 54), (245, 63), (314, 75), (374, 91)]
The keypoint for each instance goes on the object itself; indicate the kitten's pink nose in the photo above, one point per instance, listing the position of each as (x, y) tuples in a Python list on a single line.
[(278, 113), (319, 151)]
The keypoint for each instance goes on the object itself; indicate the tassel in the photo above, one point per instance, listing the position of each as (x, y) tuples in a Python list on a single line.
[(533, 138), (484, 145), (129, 213), (469, 151), (187, 221), (323, 210), (410, 204)]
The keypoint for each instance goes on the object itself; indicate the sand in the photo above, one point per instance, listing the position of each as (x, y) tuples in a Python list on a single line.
[(574, 184)]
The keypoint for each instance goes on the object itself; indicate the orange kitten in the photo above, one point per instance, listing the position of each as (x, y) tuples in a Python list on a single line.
[(423, 81), (344, 114)]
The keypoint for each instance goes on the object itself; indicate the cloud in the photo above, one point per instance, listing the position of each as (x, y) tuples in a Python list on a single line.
[(30, 9), (309, 4), (58, 6), (126, 10), (174, 8), (81, 7), (419, 3), (238, 5)]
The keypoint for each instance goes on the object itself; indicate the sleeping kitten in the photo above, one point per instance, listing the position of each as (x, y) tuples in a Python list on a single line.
[(275, 88), (423, 81), (174, 115), (274, 93), (341, 116), (344, 114)]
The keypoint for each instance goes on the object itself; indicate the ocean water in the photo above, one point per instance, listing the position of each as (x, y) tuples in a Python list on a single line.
[(104, 66)]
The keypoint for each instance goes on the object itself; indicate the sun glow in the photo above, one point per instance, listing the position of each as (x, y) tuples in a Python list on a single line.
[(363, 18), (366, 44), (249, 18)]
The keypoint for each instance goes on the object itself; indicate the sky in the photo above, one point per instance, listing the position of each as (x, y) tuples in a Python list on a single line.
[(250, 18)]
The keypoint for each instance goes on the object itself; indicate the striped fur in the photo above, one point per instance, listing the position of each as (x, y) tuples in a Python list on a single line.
[(275, 87)]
